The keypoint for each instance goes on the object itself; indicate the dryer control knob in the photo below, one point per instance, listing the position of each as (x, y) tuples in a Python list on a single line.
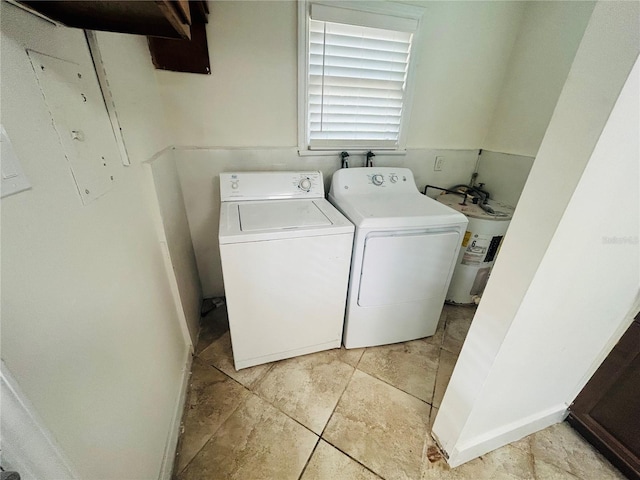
[(304, 184), (377, 179), (234, 185), (393, 178)]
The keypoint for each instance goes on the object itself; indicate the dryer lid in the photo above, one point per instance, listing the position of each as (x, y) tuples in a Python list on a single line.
[(280, 215), (397, 211)]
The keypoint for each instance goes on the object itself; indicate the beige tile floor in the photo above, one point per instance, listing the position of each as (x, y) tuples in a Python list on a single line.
[(349, 414)]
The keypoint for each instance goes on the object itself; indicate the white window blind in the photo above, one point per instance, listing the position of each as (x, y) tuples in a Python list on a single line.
[(356, 85)]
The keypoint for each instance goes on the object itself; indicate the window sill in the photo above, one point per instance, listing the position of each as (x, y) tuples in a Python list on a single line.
[(336, 153)]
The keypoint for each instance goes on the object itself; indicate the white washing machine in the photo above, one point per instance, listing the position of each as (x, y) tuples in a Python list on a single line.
[(285, 254), (404, 253)]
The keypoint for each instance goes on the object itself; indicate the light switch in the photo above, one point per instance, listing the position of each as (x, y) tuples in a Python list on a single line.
[(13, 178)]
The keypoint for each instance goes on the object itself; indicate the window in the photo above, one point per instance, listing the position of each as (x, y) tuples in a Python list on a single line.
[(355, 74)]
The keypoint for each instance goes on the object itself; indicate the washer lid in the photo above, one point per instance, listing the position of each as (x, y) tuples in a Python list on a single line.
[(280, 215), (261, 220)]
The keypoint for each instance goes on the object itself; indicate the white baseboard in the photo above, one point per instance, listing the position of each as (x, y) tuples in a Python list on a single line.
[(166, 469), (473, 448)]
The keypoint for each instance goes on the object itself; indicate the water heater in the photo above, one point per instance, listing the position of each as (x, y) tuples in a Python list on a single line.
[(480, 246)]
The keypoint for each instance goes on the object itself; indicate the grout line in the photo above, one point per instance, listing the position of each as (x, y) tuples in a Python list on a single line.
[(219, 426), (435, 383), (272, 365), (438, 346), (309, 458), (244, 400), (352, 458), (397, 388), (184, 469), (285, 413), (364, 350), (249, 389), (322, 437), (253, 391), (319, 435), (457, 354), (338, 402), (444, 329), (532, 462), (259, 381)]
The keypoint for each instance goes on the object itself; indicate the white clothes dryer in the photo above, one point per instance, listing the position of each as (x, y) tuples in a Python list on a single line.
[(405, 250), (285, 254)]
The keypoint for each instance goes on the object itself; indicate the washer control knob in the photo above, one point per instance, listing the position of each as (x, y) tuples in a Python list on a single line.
[(304, 184), (234, 185), (377, 179), (393, 178)]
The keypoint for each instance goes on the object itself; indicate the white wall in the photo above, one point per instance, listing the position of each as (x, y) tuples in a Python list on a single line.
[(504, 175), (250, 99), (89, 328), (462, 60), (134, 85), (540, 61), (199, 175), (560, 295), (177, 237), (142, 116)]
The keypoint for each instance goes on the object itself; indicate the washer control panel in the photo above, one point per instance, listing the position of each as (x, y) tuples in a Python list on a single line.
[(270, 185), (305, 184)]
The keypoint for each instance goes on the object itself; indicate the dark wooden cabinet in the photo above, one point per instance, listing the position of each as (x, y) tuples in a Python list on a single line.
[(185, 55), (607, 411), (190, 56), (161, 18), (176, 29)]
